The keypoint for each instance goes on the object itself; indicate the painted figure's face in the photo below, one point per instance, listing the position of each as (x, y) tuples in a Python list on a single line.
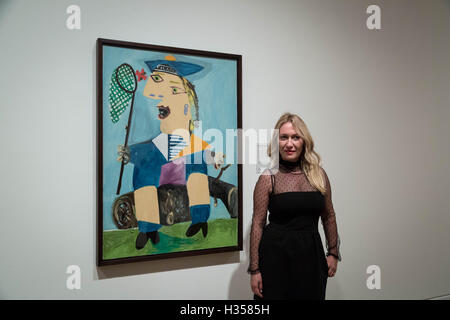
[(174, 111), (290, 142)]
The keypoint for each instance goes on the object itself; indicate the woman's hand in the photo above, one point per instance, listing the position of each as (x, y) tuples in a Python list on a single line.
[(256, 284), (332, 265)]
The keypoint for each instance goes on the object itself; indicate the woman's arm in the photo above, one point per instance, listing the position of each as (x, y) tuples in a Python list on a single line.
[(261, 193), (260, 203), (329, 223)]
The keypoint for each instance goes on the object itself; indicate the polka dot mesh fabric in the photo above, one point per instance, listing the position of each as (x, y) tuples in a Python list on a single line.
[(289, 179)]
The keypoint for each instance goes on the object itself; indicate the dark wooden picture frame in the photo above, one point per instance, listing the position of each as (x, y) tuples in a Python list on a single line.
[(150, 190)]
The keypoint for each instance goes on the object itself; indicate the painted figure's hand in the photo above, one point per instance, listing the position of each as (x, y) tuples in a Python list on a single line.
[(218, 160), (215, 158), (124, 154)]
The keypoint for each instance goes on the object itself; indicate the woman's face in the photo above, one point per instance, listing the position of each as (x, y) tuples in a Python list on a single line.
[(173, 108), (290, 143)]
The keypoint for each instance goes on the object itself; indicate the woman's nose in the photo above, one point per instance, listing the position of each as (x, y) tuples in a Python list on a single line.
[(289, 142)]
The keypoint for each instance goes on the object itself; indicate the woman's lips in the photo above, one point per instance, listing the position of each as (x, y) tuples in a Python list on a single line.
[(163, 112)]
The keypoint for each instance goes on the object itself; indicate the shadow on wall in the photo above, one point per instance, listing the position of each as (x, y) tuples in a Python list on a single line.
[(240, 280), (4, 6), (170, 264)]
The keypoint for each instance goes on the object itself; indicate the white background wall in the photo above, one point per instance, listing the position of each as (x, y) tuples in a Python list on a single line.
[(376, 103)]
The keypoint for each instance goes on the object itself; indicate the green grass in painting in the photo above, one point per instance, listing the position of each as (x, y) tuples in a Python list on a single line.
[(121, 243)]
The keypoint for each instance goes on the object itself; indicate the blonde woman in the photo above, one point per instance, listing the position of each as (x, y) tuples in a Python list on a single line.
[(287, 259)]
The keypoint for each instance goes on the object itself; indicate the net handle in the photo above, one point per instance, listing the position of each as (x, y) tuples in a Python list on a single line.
[(122, 165)]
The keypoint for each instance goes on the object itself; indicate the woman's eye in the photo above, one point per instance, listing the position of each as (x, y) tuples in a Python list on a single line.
[(176, 90), (157, 78)]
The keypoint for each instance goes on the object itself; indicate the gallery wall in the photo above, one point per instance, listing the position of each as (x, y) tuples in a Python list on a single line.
[(376, 103)]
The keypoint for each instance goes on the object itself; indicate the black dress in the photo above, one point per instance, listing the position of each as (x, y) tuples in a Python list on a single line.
[(290, 256)]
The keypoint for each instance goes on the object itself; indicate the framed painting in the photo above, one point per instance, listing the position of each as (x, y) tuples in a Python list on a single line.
[(169, 183)]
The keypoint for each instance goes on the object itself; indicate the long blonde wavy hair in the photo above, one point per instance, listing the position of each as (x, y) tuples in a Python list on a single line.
[(310, 159)]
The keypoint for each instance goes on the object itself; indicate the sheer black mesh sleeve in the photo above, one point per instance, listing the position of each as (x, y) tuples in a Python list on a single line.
[(328, 218), (261, 194)]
